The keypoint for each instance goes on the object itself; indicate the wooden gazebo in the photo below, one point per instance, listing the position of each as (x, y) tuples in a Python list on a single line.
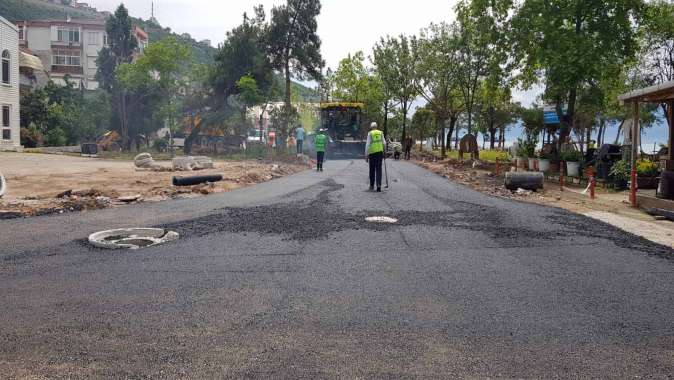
[(661, 93)]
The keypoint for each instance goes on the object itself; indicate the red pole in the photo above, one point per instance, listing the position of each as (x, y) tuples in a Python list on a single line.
[(561, 176), (498, 167), (633, 189), (593, 185)]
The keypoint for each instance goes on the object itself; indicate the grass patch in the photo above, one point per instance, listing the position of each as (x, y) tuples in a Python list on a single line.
[(485, 155)]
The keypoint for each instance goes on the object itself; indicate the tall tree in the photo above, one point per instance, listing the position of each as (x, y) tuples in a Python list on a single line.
[(436, 77), (482, 27), (658, 44), (596, 38), (154, 81), (294, 44), (394, 61), (120, 50)]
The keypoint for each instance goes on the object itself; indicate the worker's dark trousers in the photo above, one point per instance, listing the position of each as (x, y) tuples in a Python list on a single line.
[(320, 156), (375, 160), (300, 147)]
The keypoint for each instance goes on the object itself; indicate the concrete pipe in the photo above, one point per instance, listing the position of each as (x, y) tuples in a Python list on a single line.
[(197, 180), (524, 180)]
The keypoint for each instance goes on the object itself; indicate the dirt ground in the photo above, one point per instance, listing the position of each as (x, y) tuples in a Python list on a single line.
[(41, 183), (608, 206)]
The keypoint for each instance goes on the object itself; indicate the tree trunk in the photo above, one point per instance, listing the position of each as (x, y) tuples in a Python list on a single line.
[(191, 137), (456, 139), (288, 101), (492, 133), (404, 123), (440, 125), (620, 129), (123, 120), (452, 125)]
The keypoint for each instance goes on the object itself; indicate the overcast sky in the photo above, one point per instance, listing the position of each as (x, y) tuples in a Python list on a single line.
[(345, 26)]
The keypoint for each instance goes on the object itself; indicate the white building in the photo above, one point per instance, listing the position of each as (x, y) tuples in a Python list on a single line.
[(70, 47), (9, 86)]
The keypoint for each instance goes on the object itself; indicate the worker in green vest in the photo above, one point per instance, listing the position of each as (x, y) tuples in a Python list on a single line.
[(320, 143), (374, 153)]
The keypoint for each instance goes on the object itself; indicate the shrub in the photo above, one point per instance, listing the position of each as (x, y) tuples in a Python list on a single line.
[(571, 156), (31, 137), (160, 145), (620, 171), (647, 168)]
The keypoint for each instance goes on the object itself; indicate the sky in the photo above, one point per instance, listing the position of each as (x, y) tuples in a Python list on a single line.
[(345, 26)]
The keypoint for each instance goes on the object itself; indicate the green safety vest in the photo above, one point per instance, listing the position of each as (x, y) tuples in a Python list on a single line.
[(319, 142), (376, 142)]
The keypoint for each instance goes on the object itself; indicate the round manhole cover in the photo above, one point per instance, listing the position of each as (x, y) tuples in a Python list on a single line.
[(381, 219), (132, 238)]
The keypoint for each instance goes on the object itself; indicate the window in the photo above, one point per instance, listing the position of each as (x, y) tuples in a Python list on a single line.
[(21, 33), (105, 39), (5, 66), (62, 57), (69, 35), (92, 38), (6, 131)]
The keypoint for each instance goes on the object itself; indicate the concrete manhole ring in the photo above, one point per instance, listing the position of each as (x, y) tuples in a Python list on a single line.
[(381, 219), (132, 238)]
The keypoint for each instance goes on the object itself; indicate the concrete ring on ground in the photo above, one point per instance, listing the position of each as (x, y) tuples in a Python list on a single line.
[(3, 185), (381, 219), (132, 238)]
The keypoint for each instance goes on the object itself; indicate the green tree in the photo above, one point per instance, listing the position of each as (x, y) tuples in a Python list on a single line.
[(572, 44), (658, 54), (351, 78), (120, 50), (155, 79), (436, 77), (394, 61), (294, 44), (423, 124), (482, 27)]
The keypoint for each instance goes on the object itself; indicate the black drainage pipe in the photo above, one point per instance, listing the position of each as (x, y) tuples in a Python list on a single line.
[(191, 181)]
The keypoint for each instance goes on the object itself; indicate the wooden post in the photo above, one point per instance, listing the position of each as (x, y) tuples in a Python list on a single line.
[(635, 152)]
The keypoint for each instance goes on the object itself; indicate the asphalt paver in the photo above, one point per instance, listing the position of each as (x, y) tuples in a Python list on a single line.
[(288, 280)]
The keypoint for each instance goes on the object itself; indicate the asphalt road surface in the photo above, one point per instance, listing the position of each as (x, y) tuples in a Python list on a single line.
[(287, 280)]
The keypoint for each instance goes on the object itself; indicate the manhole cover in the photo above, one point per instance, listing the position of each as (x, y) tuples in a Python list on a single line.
[(381, 219), (132, 238)]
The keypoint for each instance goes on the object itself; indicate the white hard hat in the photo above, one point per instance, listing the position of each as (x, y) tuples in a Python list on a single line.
[(373, 125)]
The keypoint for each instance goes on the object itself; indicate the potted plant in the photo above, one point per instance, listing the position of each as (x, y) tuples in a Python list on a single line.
[(647, 174), (544, 162), (521, 155), (620, 173), (527, 151), (572, 159)]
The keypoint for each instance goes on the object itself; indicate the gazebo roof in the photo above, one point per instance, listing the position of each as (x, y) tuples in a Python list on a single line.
[(653, 94)]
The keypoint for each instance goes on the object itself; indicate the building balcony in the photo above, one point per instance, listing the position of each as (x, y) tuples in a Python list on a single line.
[(72, 70), (65, 44)]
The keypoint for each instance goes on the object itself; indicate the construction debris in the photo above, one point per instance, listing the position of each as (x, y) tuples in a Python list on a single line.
[(190, 163)]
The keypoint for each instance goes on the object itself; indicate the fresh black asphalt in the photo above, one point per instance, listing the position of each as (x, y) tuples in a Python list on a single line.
[(287, 280)]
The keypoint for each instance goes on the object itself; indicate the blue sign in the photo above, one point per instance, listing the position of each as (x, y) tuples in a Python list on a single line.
[(550, 116)]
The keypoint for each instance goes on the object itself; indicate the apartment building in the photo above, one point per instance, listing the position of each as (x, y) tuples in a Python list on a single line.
[(70, 47), (9, 86)]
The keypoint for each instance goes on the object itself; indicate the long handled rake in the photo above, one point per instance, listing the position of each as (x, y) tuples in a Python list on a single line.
[(385, 171)]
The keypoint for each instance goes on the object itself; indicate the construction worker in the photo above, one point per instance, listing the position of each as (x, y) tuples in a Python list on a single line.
[(374, 153), (320, 143)]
